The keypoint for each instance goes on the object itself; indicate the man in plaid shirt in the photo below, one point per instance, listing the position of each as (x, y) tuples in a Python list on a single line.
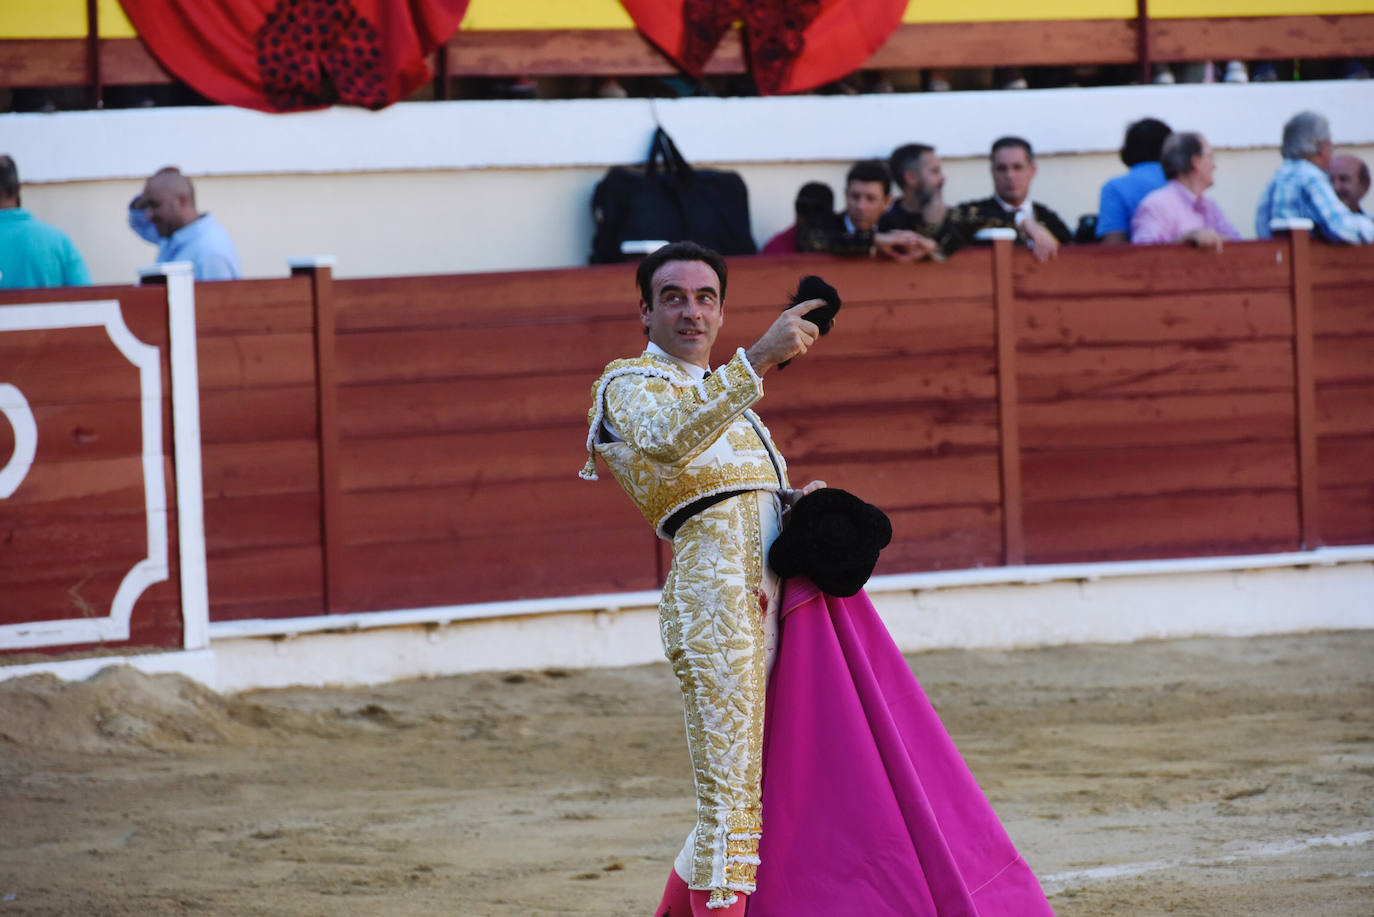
[(1302, 188)]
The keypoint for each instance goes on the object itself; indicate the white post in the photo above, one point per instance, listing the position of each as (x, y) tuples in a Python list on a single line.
[(181, 325)]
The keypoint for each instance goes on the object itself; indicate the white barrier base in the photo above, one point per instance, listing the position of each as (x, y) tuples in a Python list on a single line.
[(1092, 608)]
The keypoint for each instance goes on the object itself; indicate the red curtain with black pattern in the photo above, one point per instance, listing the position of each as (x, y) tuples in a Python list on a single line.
[(792, 45), (288, 55)]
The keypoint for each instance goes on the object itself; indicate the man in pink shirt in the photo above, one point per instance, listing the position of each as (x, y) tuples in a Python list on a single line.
[(1178, 212)]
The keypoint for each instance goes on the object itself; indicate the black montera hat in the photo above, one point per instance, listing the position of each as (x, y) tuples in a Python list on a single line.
[(832, 537)]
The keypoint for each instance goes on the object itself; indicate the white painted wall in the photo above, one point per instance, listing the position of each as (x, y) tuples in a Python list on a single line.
[(471, 186)]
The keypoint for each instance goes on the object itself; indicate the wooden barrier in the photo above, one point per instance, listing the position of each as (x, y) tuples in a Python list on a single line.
[(390, 443)]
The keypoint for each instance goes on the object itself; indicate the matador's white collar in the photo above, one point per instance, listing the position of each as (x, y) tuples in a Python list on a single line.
[(695, 371)]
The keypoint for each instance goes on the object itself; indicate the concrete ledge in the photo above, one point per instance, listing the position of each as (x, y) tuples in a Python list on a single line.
[(922, 614), (1004, 615)]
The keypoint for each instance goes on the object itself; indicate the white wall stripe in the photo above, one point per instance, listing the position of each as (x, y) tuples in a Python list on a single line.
[(132, 143)]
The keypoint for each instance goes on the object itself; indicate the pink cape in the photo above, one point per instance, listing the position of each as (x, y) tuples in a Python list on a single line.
[(868, 807)]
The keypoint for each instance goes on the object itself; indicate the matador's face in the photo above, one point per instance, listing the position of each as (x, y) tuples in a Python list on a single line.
[(687, 311)]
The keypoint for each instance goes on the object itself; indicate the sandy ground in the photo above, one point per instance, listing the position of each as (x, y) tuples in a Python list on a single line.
[(1197, 777)]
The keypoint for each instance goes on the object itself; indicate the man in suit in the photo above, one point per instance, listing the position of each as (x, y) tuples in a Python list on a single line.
[(1013, 167)]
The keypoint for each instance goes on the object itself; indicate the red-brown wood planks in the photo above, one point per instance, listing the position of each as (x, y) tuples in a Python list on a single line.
[(1073, 322), (275, 306), (480, 567), (94, 429), (1261, 38), (39, 544), (942, 538), (262, 520), (265, 582), (1346, 309), (1344, 359), (1169, 368), (61, 489), (88, 593), (515, 402), (897, 484), (258, 415), (255, 468), (1346, 460), (489, 510), (1347, 513), (457, 458), (1171, 525), (1077, 474), (68, 365), (1345, 409), (626, 52), (1153, 270), (1334, 265), (1146, 420), (255, 360)]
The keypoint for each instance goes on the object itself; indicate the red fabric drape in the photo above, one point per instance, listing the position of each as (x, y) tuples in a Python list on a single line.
[(793, 45), (287, 55)]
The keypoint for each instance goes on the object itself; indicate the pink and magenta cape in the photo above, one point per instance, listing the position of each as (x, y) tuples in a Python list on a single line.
[(868, 808)]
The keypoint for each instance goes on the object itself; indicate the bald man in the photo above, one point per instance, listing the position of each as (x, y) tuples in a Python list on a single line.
[(165, 214), (1350, 178)]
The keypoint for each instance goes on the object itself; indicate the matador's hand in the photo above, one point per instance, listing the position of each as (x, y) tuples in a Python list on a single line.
[(792, 496), (789, 336)]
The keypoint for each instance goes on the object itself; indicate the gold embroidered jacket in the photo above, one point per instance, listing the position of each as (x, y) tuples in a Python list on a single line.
[(679, 439)]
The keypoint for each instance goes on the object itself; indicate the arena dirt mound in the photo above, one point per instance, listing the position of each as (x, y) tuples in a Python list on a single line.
[(120, 709)]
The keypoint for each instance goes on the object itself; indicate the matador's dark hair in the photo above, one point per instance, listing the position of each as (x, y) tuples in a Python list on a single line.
[(677, 251)]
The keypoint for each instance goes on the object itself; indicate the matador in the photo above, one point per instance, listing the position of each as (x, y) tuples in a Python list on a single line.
[(700, 465)]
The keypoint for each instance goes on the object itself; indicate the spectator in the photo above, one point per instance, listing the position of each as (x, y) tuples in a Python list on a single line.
[(1302, 188), (1013, 168), (165, 214), (921, 208), (867, 195), (814, 206), (32, 253), (1350, 179), (1121, 195), (1178, 212)]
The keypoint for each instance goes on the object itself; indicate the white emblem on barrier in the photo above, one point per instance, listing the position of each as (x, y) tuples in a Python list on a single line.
[(15, 407), (153, 568)]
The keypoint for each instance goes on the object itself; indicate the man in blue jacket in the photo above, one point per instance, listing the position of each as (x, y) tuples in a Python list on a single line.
[(165, 214)]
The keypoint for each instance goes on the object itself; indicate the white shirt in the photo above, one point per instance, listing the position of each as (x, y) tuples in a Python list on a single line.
[(1025, 212)]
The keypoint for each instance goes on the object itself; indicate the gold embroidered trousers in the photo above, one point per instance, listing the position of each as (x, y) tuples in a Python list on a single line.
[(718, 617)]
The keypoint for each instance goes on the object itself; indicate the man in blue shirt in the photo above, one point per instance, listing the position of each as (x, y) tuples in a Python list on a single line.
[(165, 214), (32, 253), (1123, 194), (1301, 188)]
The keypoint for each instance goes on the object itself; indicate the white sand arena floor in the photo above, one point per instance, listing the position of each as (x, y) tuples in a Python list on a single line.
[(1193, 777)]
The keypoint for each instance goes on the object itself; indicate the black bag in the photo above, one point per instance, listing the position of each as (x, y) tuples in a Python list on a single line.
[(668, 199)]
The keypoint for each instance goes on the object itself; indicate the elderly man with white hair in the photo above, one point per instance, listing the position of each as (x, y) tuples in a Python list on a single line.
[(1302, 188)]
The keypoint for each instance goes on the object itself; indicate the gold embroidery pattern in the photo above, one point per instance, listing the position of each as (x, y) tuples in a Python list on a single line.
[(713, 635), (681, 438)]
